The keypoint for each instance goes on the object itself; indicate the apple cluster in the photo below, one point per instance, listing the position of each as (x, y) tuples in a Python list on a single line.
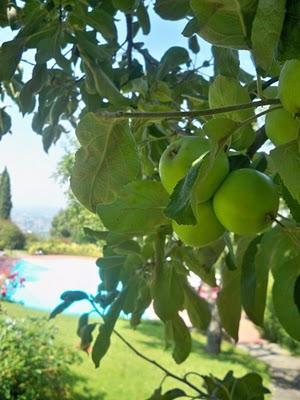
[(243, 201)]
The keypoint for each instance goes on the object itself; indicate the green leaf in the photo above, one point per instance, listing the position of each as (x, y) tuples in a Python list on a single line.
[(223, 22), (173, 394), (5, 122), (82, 321), (283, 295), (143, 18), (227, 61), (110, 270), (229, 299), (289, 46), (103, 22), (10, 55), (179, 207), (102, 342), (60, 308), (254, 282), (201, 261), (126, 6), (182, 340), (172, 58), (138, 209), (172, 9), (225, 91), (98, 235), (291, 203), (105, 87), (101, 168), (167, 292), (286, 159), (74, 295), (266, 30), (197, 308), (86, 336), (194, 44), (249, 387)]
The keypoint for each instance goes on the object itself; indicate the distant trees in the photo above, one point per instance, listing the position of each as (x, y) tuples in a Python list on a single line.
[(5, 195)]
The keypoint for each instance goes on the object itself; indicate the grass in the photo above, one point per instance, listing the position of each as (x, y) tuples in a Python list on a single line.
[(123, 376)]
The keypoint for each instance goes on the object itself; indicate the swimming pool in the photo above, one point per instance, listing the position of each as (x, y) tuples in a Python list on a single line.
[(46, 282)]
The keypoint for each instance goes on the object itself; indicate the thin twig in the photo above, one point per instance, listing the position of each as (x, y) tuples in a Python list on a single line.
[(185, 114)]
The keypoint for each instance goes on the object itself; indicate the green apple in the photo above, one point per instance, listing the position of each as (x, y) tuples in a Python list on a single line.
[(281, 126), (289, 86), (207, 230), (210, 178), (178, 158), (247, 202)]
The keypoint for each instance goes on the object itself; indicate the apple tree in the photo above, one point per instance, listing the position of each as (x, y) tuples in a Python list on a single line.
[(191, 164)]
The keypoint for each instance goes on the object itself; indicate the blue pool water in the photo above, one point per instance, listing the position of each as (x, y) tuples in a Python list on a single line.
[(44, 284)]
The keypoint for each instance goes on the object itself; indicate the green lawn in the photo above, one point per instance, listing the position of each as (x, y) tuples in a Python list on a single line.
[(124, 376)]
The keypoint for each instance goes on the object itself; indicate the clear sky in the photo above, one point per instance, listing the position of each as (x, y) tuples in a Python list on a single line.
[(29, 166)]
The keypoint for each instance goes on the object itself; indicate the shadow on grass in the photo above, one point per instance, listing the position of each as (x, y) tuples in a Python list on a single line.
[(154, 331), (85, 393)]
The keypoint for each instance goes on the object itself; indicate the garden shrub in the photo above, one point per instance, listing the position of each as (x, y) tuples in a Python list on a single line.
[(55, 246), (33, 365), (11, 237)]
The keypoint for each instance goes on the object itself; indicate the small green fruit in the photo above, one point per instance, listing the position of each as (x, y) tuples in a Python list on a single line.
[(247, 202), (207, 230), (210, 178), (178, 158), (289, 86), (281, 127)]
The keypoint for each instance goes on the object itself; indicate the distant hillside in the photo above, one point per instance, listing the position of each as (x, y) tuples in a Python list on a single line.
[(34, 219)]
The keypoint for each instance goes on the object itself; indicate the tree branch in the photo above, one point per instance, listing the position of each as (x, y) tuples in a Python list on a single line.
[(185, 114)]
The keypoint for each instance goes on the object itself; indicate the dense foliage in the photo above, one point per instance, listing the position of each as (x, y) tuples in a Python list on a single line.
[(11, 237), (33, 365), (177, 187), (5, 195), (64, 247)]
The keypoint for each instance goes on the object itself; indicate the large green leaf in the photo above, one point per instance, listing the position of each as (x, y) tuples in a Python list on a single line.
[(181, 338), (103, 22), (289, 46), (225, 91), (254, 281), (167, 292), (197, 308), (138, 209), (227, 61), (229, 299), (107, 160), (172, 58), (172, 9), (285, 299), (110, 270), (266, 30), (102, 342), (224, 22), (286, 160), (10, 56), (179, 207)]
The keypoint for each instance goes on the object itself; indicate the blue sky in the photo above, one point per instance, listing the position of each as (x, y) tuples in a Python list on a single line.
[(29, 166)]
